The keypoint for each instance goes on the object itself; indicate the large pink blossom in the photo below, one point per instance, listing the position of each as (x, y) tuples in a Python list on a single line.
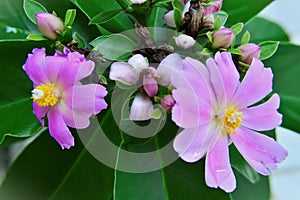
[(216, 109), (59, 94)]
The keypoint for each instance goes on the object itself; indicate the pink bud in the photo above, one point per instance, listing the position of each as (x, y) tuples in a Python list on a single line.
[(249, 51), (184, 41), (222, 38), (167, 102), (215, 7), (149, 82), (49, 24)]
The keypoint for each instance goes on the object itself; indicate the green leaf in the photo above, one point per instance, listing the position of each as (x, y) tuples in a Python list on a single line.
[(80, 40), (267, 31), (223, 15), (218, 23), (178, 8), (235, 51), (237, 28), (36, 37), (31, 8), (70, 17), (106, 16), (285, 65), (242, 11), (246, 38), (268, 49), (8, 33), (114, 47)]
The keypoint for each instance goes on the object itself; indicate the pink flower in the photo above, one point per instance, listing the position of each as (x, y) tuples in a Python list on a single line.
[(215, 109), (214, 7), (59, 94), (49, 24), (137, 72)]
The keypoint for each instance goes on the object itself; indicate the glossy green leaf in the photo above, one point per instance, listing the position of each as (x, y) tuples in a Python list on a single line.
[(31, 8), (235, 51), (70, 17), (35, 37), (285, 65), (105, 16), (242, 11), (246, 38), (237, 28), (223, 15), (218, 23), (115, 47), (178, 8), (268, 49)]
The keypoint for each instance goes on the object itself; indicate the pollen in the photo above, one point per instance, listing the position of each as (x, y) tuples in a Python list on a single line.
[(232, 120), (45, 95)]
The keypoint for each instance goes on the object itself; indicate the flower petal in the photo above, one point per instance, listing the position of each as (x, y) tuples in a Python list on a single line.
[(123, 72), (260, 151), (138, 62), (168, 66), (54, 63), (74, 118), (193, 143), (86, 98), (256, 84), (169, 19), (40, 112), (58, 129), (263, 117), (218, 171), (141, 108), (189, 110), (35, 66)]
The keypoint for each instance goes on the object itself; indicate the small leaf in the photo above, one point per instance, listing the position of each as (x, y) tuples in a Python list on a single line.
[(105, 16), (268, 49), (36, 37), (218, 23), (31, 8), (223, 15), (245, 38), (178, 8), (235, 51), (80, 40), (209, 36), (156, 114), (237, 28), (70, 17)]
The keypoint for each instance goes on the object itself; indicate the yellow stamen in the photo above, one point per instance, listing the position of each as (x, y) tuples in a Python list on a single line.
[(232, 120), (45, 95)]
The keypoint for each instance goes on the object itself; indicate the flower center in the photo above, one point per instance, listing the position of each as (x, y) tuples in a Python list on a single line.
[(232, 120), (45, 94)]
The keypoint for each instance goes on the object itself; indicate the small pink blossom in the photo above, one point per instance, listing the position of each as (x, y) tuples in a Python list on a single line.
[(59, 95), (216, 109), (49, 25)]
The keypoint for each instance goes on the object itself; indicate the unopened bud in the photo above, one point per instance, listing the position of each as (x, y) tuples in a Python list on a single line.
[(49, 25), (167, 102), (222, 38), (184, 41), (149, 82), (215, 6), (249, 51)]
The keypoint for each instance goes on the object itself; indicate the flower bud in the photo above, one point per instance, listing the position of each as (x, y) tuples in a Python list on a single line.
[(138, 1), (167, 102), (222, 38), (149, 83), (215, 7), (249, 51), (184, 41), (49, 24)]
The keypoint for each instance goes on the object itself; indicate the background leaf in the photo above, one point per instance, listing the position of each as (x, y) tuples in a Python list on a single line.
[(31, 8)]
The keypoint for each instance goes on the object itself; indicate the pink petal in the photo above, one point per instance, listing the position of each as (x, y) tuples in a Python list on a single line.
[(40, 112), (141, 108), (218, 172), (193, 143), (194, 77), (54, 63), (35, 66), (263, 117), (86, 98), (215, 7), (169, 18), (255, 86), (123, 72), (189, 110), (74, 118), (260, 151), (168, 66), (58, 129), (228, 71)]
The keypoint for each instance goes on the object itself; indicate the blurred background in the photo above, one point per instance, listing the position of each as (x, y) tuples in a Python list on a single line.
[(284, 181)]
